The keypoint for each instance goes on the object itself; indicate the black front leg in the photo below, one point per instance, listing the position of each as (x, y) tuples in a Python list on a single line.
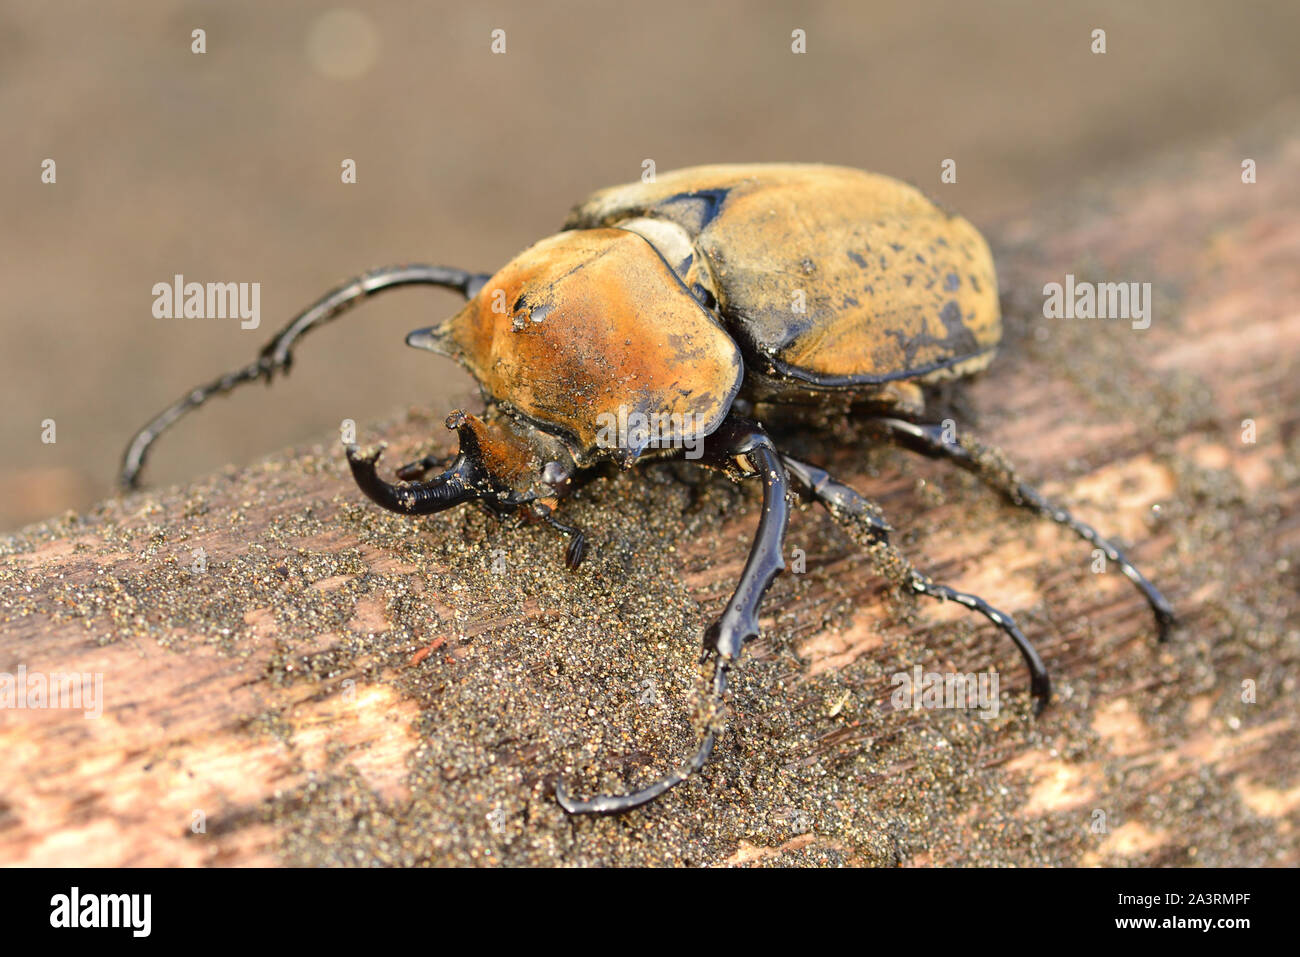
[(740, 448)]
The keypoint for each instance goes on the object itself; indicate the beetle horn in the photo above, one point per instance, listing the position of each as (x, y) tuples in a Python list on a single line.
[(429, 339), (453, 487), (464, 480)]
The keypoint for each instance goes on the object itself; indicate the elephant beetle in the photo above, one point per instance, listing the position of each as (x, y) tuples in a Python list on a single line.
[(694, 306)]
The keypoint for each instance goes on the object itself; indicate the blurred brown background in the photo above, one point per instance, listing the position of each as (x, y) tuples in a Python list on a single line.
[(226, 167)]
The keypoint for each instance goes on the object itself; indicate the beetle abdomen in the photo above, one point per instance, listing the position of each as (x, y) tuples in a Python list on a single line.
[(827, 276)]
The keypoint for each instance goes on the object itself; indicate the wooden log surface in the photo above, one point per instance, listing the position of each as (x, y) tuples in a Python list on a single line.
[(339, 685)]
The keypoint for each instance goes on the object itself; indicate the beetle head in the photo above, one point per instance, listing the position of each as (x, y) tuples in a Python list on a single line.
[(501, 462)]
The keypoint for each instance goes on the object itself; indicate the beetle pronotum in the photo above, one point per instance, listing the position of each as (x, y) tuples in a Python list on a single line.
[(709, 298)]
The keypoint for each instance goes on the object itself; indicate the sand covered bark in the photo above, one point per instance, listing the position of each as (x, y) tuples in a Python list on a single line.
[(336, 684)]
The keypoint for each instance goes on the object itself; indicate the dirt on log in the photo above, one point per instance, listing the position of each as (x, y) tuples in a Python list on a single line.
[(291, 675)]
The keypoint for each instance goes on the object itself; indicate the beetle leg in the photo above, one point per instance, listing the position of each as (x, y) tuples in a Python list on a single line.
[(846, 504), (734, 439), (1040, 684), (989, 464), (277, 355), (838, 497), (414, 471), (577, 550)]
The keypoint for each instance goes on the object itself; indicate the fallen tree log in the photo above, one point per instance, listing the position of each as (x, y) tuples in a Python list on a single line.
[(289, 675)]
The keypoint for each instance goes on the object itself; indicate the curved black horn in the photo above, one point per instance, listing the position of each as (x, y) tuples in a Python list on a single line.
[(453, 487)]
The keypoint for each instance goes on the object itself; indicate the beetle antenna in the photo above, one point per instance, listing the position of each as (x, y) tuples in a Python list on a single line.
[(738, 623), (277, 355)]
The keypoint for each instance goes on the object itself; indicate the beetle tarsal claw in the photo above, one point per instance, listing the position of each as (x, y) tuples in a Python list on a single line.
[(1166, 621)]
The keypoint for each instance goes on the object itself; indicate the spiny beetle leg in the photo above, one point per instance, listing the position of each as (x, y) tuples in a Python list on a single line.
[(277, 354), (845, 503), (990, 465), (835, 495), (414, 471), (738, 623), (1040, 683)]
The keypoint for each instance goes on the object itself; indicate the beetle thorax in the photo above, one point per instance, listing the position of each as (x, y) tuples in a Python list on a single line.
[(674, 243)]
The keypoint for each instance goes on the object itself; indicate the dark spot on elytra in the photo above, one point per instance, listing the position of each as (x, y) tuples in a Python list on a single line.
[(861, 263), (951, 282), (950, 316), (957, 338)]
